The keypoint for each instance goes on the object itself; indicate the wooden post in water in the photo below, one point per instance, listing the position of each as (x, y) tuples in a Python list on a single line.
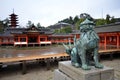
[(0, 65), (111, 56), (48, 63), (24, 67)]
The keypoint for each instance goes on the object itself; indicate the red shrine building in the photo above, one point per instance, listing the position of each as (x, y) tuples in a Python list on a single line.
[(109, 35)]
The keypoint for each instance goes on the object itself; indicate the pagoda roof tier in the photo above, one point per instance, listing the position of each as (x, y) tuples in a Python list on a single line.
[(13, 14), (14, 20), (13, 25)]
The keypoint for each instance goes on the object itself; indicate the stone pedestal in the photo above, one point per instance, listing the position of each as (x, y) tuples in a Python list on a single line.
[(67, 72)]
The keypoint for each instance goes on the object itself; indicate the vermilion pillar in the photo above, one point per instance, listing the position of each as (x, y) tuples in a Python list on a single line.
[(26, 39), (105, 42), (39, 39), (118, 41)]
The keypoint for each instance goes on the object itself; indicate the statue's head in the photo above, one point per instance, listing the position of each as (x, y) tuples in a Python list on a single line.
[(86, 16), (86, 25)]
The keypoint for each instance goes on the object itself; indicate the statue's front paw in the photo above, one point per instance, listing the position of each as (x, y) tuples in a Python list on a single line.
[(76, 65), (86, 67), (99, 65)]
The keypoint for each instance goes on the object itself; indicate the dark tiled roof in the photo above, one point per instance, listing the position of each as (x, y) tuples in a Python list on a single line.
[(47, 30), (61, 34), (108, 28), (104, 28), (59, 25), (9, 31), (75, 32)]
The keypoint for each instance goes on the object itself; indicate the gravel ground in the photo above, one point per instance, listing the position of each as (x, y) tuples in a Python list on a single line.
[(38, 72), (115, 64)]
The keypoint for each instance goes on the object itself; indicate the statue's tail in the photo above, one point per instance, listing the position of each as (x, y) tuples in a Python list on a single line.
[(75, 40), (68, 49), (70, 46)]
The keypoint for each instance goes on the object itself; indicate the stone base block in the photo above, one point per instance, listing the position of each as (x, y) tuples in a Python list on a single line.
[(68, 72), (58, 75)]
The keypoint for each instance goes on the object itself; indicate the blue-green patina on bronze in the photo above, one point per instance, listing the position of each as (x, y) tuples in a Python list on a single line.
[(84, 53)]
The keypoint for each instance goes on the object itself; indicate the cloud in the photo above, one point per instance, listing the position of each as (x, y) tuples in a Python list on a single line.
[(49, 12)]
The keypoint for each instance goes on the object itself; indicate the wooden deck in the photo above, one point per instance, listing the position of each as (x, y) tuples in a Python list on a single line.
[(32, 57), (108, 51), (47, 58)]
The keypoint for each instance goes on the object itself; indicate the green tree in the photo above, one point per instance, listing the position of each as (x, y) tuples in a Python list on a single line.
[(77, 24), (57, 31), (38, 25), (66, 29), (67, 20), (71, 20), (29, 24), (6, 22), (1, 26), (108, 19), (113, 19), (100, 22), (76, 18)]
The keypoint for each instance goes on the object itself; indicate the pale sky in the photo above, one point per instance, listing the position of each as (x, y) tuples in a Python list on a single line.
[(49, 12)]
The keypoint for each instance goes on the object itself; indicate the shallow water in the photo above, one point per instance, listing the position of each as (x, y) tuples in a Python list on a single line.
[(9, 53)]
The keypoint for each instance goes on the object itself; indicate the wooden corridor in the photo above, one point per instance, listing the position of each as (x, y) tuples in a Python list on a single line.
[(48, 58)]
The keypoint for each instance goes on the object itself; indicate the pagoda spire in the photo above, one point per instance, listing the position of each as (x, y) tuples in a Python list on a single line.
[(13, 10)]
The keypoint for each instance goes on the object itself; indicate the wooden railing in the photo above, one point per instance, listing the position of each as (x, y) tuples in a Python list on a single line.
[(108, 47)]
